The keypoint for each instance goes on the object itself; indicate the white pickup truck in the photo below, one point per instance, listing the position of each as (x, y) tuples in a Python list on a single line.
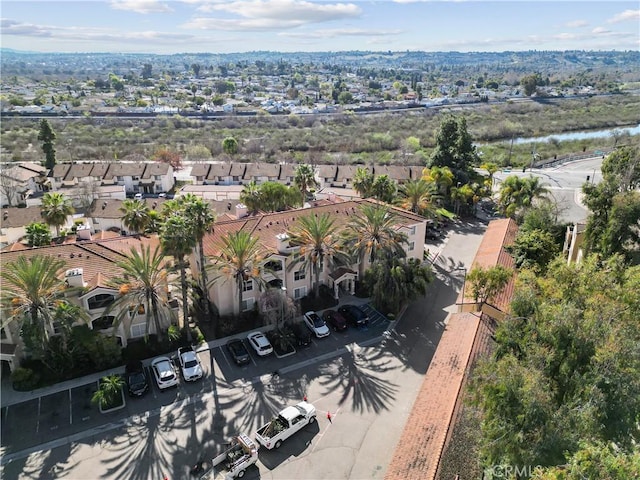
[(234, 461), (289, 421)]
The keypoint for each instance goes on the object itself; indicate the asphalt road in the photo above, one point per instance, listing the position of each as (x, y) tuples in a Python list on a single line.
[(363, 395), (565, 183)]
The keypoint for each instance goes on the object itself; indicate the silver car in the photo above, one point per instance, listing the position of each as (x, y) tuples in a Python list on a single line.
[(189, 364)]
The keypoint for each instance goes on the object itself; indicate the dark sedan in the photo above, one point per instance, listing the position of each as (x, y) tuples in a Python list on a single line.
[(238, 352), (136, 379), (354, 315), (335, 320), (302, 334)]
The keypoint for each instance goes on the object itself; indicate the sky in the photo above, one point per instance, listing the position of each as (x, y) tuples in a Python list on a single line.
[(221, 26)]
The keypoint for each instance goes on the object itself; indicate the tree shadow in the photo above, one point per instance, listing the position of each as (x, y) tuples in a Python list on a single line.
[(42, 465), (357, 374)]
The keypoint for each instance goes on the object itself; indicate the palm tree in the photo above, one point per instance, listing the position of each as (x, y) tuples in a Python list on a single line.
[(533, 189), (135, 215), (250, 196), (304, 179), (491, 169), (441, 176), (55, 209), (143, 285), (517, 193), (372, 234), (30, 289), (109, 391), (417, 196), (318, 239), (363, 182), (177, 240), (202, 219), (240, 259)]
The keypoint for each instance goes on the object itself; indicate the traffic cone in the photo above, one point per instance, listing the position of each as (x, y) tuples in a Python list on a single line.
[(328, 415)]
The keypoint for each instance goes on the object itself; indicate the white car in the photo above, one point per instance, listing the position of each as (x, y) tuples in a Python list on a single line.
[(189, 364), (316, 324), (260, 343), (164, 372)]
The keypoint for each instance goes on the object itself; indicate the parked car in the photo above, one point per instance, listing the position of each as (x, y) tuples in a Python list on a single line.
[(164, 372), (189, 364), (316, 324), (136, 379), (354, 315), (260, 343), (301, 334), (335, 319), (238, 352)]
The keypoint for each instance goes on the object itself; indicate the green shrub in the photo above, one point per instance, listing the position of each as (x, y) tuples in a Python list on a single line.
[(25, 379)]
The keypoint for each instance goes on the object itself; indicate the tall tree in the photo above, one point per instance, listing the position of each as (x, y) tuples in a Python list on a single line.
[(384, 188), (454, 148), (55, 209), (318, 239), (250, 196), (47, 136), (418, 197), (363, 182), (31, 287), (142, 286), (240, 259), (373, 235), (486, 283), (177, 240), (517, 194), (202, 219), (305, 179), (135, 215)]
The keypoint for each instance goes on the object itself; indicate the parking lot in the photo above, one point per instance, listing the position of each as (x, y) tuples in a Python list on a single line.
[(71, 412)]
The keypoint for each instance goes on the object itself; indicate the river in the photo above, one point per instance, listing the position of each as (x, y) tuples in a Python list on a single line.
[(562, 137)]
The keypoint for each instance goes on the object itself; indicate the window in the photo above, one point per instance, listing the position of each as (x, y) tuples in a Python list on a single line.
[(412, 230), (57, 328), (247, 304), (138, 330), (157, 177), (133, 313), (298, 293), (100, 301), (3, 334), (247, 286), (299, 275), (275, 265), (321, 266), (96, 221), (103, 323), (236, 178), (120, 178), (412, 245)]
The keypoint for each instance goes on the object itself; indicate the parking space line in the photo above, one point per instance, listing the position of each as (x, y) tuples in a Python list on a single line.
[(38, 422), (225, 356), (70, 409)]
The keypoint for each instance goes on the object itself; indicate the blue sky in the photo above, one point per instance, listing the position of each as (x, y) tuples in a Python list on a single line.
[(217, 26)]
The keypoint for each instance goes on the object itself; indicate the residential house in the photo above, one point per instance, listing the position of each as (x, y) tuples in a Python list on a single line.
[(400, 174), (106, 214), (125, 173), (19, 181), (157, 178), (416, 172), (271, 230), (346, 173), (89, 268), (199, 172), (220, 174), (287, 173), (261, 172), (14, 221), (327, 175)]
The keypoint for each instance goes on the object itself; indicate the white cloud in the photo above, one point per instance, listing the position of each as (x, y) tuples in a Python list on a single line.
[(342, 32), (600, 30), (627, 15), (576, 24), (140, 6), (265, 15)]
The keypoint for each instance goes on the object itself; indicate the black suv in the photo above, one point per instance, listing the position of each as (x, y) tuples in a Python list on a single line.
[(136, 379), (301, 334), (354, 315), (238, 351)]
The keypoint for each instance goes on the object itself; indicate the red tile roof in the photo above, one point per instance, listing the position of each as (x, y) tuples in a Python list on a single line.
[(422, 442)]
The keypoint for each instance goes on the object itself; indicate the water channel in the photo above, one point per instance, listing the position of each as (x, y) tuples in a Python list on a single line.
[(562, 137)]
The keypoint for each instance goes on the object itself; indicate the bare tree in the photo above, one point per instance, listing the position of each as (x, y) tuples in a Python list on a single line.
[(88, 191), (9, 186)]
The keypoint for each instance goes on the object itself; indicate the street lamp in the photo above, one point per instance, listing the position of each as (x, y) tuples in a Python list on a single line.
[(283, 299)]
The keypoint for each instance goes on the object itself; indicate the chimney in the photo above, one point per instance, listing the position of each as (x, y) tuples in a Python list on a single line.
[(282, 242), (74, 277), (241, 210), (83, 232), (331, 196)]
